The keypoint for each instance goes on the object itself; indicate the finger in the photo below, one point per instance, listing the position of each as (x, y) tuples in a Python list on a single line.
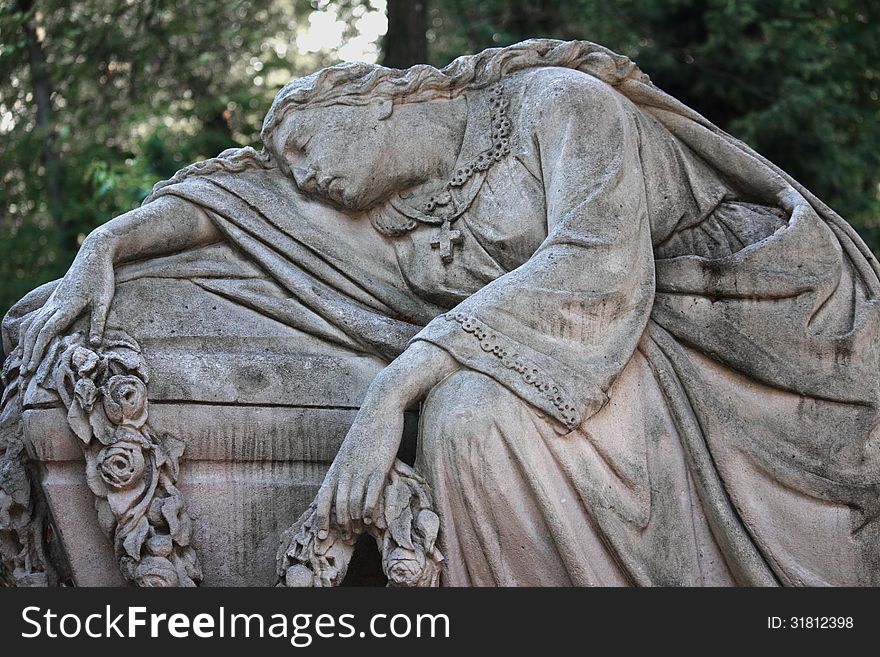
[(50, 329), (23, 329), (343, 520), (323, 503), (356, 498), (96, 325), (31, 337), (371, 498)]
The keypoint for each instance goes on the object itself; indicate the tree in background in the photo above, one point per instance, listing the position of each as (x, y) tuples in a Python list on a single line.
[(406, 42), (100, 99)]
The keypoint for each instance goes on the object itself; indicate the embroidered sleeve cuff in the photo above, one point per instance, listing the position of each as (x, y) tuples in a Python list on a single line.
[(524, 371)]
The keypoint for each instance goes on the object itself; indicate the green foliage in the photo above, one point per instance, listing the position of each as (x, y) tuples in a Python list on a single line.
[(138, 89), (798, 80)]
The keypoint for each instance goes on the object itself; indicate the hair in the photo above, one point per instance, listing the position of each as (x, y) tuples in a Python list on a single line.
[(361, 83)]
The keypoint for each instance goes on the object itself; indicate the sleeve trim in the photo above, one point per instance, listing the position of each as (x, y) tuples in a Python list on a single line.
[(553, 397)]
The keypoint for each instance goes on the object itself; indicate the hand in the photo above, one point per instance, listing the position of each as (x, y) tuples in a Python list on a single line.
[(88, 285), (356, 478)]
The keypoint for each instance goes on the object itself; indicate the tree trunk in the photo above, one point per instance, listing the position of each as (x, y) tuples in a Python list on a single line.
[(406, 42), (42, 90)]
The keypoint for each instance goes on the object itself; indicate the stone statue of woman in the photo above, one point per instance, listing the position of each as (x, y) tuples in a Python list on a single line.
[(645, 354)]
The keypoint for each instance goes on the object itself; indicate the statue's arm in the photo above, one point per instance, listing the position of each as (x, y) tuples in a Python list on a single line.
[(167, 225), (164, 226), (356, 478), (584, 297), (559, 329)]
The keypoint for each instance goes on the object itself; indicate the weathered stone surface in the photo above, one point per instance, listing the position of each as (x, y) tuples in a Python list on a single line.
[(248, 471), (262, 408), (644, 354)]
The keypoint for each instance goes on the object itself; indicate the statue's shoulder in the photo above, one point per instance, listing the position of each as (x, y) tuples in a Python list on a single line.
[(231, 161), (553, 92)]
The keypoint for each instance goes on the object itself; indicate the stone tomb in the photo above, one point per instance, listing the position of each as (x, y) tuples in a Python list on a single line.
[(262, 408)]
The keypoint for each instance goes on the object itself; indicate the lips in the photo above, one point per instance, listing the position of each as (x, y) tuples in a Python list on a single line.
[(333, 189), (312, 181), (323, 183), (318, 183)]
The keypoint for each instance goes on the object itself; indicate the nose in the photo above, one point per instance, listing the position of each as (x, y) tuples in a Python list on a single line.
[(323, 181), (304, 176)]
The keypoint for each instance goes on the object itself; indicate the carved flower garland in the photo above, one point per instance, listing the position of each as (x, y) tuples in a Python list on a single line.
[(406, 530), (131, 470)]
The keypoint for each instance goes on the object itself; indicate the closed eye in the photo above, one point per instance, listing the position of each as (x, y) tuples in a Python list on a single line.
[(301, 147)]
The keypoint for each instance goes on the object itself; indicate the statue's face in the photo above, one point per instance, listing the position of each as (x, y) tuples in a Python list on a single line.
[(340, 153)]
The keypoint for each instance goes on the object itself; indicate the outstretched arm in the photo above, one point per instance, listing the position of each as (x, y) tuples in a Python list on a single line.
[(571, 315), (166, 225)]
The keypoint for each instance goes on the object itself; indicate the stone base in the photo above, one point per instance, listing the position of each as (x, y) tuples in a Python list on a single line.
[(262, 408), (245, 478)]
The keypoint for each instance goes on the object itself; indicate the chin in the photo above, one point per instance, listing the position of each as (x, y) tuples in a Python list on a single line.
[(349, 201), (358, 202)]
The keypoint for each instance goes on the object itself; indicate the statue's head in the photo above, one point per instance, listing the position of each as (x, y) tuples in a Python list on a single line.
[(355, 133), (348, 133)]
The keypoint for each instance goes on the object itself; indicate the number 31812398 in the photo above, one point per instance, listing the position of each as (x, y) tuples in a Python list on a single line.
[(810, 622)]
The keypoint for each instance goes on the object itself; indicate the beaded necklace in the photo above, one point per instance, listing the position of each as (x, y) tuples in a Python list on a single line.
[(443, 209), (500, 147)]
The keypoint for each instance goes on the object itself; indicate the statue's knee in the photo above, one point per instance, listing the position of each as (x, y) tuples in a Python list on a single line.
[(461, 410)]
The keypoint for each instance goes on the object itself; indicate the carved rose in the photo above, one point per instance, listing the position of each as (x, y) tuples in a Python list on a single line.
[(125, 400), (121, 464), (85, 360), (156, 572), (160, 545), (405, 567), (298, 576), (86, 393)]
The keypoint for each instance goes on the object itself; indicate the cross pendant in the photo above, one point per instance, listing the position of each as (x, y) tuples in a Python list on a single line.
[(446, 240)]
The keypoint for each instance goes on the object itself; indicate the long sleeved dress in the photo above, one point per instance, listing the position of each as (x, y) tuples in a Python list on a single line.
[(669, 348)]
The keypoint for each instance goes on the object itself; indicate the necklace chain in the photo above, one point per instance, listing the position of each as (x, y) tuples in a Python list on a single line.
[(500, 126), (482, 162)]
